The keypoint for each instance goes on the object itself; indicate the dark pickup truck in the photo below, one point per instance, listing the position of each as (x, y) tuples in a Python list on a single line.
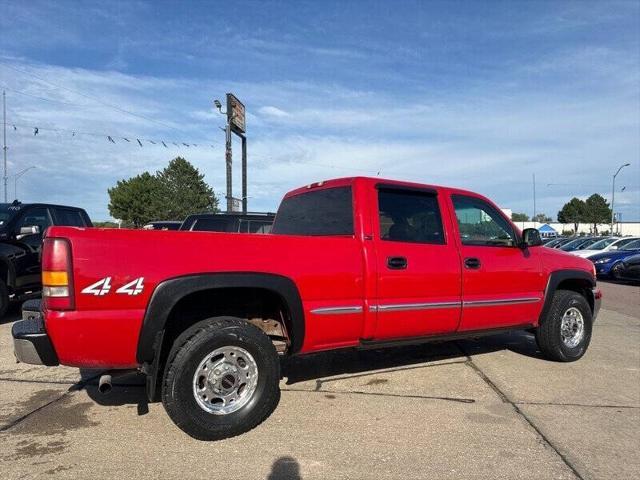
[(22, 226), (229, 222)]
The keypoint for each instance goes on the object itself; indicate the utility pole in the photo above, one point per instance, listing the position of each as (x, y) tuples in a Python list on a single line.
[(4, 142), (613, 194), (534, 198)]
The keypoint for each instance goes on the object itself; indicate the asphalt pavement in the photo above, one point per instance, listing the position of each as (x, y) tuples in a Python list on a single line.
[(489, 408)]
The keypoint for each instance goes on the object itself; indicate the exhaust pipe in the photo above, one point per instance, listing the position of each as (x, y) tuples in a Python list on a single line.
[(104, 384)]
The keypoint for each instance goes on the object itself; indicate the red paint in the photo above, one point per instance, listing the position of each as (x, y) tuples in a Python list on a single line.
[(103, 331)]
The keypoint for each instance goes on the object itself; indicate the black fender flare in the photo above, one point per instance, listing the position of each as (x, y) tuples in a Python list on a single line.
[(559, 276), (169, 292)]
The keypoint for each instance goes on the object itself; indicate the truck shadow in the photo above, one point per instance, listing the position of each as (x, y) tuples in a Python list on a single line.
[(129, 390), (353, 361)]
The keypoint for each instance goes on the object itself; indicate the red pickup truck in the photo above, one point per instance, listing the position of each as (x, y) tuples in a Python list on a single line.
[(352, 262)]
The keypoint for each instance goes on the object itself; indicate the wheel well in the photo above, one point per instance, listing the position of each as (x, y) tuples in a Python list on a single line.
[(259, 306), (578, 285)]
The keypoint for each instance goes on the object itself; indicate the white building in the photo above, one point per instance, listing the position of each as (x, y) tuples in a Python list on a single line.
[(620, 228)]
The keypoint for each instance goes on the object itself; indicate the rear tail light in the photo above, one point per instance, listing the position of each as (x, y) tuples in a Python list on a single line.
[(57, 279)]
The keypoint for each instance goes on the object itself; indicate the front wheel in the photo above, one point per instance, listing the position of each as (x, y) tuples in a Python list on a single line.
[(565, 333), (222, 379), (4, 299)]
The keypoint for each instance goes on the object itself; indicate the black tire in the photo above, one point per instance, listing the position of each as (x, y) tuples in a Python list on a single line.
[(190, 349), (4, 299), (616, 271), (548, 333)]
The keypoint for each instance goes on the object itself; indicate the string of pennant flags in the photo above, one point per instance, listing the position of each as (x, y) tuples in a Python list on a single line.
[(111, 138)]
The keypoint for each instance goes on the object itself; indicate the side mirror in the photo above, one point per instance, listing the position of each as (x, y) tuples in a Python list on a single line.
[(531, 238), (613, 247), (30, 230)]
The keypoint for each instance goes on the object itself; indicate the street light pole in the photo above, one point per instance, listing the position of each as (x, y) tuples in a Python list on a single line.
[(613, 194), (4, 138), (15, 181)]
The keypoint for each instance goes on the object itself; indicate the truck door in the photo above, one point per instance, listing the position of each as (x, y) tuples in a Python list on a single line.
[(418, 265), (28, 234), (503, 284)]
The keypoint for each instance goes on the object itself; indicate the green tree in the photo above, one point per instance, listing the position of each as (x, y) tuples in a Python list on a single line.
[(183, 191), (105, 224), (135, 201), (171, 194), (597, 211), (574, 211), (542, 218), (519, 217)]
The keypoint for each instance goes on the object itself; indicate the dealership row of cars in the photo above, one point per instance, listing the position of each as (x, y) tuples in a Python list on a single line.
[(613, 257)]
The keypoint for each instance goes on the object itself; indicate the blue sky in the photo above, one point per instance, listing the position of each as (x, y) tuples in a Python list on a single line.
[(479, 95)]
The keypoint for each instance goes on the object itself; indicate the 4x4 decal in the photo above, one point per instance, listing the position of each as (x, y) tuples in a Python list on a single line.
[(103, 286)]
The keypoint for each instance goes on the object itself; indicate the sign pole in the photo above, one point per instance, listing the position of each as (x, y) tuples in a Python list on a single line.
[(244, 174), (229, 160), (236, 123)]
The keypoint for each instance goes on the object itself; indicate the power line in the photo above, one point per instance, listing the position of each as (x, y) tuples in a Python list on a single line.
[(43, 98), (111, 137), (90, 97)]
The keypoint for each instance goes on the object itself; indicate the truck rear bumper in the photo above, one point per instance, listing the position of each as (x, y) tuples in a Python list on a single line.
[(31, 344)]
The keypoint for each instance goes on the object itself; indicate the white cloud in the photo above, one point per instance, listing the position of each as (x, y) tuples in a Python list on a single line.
[(490, 137), (271, 111)]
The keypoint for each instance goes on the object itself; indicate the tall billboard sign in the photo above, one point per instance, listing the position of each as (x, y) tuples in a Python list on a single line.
[(236, 114)]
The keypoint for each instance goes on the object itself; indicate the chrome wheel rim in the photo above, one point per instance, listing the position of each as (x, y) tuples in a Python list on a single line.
[(225, 380), (572, 327)]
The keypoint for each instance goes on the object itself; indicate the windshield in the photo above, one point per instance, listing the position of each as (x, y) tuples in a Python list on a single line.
[(601, 244), (635, 245), (572, 244), (7, 212), (625, 241)]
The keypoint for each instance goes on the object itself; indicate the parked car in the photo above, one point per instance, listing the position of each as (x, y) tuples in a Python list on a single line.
[(631, 268), (353, 262), (604, 245), (559, 242), (163, 225), (21, 228), (578, 244), (609, 264), (230, 222)]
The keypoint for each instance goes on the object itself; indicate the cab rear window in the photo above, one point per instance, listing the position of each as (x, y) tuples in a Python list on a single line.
[(316, 213)]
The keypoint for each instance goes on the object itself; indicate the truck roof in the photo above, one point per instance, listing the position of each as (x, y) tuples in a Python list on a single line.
[(343, 181)]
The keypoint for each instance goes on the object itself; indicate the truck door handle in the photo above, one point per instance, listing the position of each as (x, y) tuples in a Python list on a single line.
[(472, 262), (396, 263)]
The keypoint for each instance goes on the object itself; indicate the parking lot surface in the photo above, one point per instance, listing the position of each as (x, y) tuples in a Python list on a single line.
[(488, 408)]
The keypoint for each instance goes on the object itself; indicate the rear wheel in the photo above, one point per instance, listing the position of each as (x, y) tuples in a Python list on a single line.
[(616, 271), (564, 335), (222, 379)]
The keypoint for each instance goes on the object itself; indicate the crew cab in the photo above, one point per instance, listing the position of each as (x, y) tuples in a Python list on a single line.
[(22, 226), (352, 262)]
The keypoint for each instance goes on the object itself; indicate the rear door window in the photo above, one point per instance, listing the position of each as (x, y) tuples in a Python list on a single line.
[(409, 216), (69, 217), (316, 213)]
